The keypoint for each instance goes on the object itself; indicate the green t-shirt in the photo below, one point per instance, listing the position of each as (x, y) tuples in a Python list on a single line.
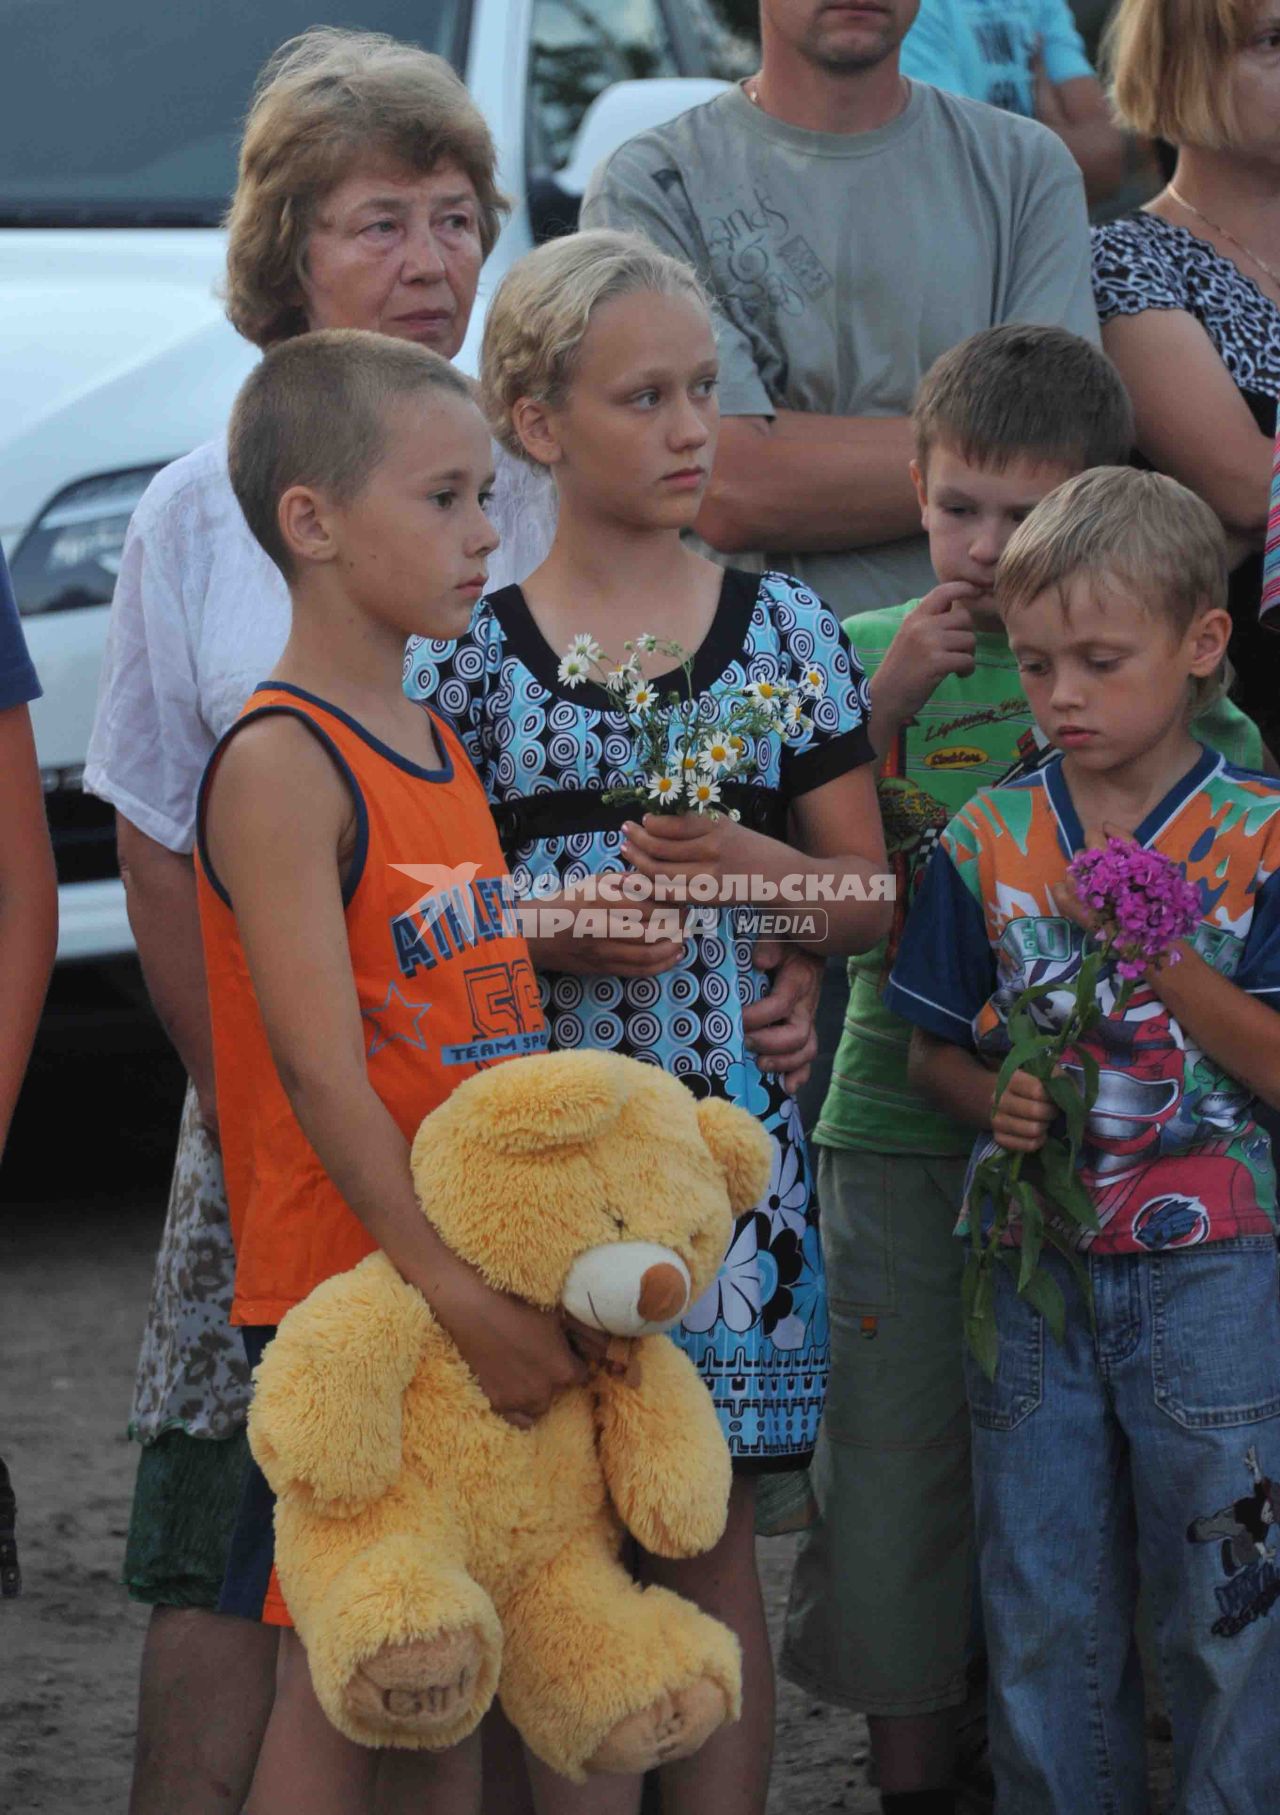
[(968, 736)]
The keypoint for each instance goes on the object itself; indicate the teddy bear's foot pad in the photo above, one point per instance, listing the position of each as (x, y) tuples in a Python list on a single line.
[(672, 1727), (427, 1683)]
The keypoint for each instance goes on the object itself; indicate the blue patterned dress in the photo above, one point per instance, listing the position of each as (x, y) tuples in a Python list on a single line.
[(545, 754)]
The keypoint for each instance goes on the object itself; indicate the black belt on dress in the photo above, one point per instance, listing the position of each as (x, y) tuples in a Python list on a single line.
[(562, 812)]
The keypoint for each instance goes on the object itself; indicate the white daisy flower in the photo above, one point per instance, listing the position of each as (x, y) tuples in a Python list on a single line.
[(689, 764), (619, 679), (663, 786), (815, 681), (717, 755), (585, 645), (765, 693), (572, 670), (647, 643), (702, 793), (641, 697)]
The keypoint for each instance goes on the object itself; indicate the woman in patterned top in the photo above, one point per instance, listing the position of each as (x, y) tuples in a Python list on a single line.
[(600, 363), (1188, 290)]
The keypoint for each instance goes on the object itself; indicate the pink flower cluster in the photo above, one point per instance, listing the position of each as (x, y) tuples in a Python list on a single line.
[(1143, 899)]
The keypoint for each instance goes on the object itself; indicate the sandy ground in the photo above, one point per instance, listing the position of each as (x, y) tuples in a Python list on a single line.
[(74, 1279), (73, 1290)]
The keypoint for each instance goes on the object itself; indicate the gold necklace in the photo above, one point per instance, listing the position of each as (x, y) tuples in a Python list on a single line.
[(1231, 239)]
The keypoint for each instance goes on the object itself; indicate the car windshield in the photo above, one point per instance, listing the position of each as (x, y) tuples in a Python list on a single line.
[(128, 112)]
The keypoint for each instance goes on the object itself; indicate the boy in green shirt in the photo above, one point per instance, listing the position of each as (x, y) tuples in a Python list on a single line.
[(879, 1617)]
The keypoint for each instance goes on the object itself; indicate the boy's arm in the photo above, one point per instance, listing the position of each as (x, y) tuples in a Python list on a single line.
[(28, 905), (961, 1085), (934, 639), (1240, 1032), (280, 867)]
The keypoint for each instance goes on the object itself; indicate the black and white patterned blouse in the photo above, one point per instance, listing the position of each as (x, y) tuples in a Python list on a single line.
[(1142, 262)]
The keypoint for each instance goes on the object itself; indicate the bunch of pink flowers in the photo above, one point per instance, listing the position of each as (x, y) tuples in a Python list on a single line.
[(1145, 901)]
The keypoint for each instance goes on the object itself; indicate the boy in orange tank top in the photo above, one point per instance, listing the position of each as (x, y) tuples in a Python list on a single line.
[(361, 944)]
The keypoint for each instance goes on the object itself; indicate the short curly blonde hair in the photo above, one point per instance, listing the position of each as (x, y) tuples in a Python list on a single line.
[(541, 310), (326, 103), (1167, 59)]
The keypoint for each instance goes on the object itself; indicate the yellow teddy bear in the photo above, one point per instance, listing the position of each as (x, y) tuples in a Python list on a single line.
[(431, 1553)]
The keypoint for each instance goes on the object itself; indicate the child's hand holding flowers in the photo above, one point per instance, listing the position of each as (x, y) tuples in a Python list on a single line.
[(1022, 1113), (1136, 904), (1133, 900), (684, 845)]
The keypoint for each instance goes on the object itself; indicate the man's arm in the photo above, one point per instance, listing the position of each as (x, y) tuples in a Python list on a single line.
[(28, 905), (281, 870), (160, 894), (782, 478), (810, 483)]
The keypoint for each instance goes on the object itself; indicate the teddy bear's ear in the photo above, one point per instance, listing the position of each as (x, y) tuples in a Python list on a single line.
[(741, 1148), (550, 1100)]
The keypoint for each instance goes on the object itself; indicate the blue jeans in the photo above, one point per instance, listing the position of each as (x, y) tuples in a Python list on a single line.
[(1148, 1443)]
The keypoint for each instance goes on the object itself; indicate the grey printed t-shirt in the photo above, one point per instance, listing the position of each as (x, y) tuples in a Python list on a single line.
[(842, 265)]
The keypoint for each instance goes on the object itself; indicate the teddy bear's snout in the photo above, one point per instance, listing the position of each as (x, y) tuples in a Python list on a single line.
[(663, 1292), (627, 1288)]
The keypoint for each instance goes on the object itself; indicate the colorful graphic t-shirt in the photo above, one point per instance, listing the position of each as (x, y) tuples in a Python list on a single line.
[(974, 730), (1174, 1154), (986, 48)]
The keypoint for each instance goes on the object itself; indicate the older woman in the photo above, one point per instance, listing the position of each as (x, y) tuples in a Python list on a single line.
[(366, 198), (1188, 290)]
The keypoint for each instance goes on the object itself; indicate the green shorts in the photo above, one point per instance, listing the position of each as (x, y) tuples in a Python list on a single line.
[(880, 1598), (184, 1507)]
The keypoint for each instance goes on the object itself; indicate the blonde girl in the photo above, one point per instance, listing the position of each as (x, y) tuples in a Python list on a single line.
[(599, 365)]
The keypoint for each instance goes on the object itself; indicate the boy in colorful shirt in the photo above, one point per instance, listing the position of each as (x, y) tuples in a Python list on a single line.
[(1115, 1450), (361, 946), (879, 1616)]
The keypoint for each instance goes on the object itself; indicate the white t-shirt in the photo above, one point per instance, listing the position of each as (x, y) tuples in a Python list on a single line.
[(199, 617)]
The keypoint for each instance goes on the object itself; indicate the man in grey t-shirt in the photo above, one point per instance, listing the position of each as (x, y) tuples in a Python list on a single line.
[(851, 227)]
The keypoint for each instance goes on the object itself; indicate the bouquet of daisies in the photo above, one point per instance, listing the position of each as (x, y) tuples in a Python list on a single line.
[(688, 746)]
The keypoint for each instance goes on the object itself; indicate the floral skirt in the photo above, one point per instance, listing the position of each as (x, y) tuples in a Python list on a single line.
[(759, 1334), (192, 1375)]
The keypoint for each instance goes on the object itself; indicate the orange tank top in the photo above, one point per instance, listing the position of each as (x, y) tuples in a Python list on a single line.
[(442, 974)]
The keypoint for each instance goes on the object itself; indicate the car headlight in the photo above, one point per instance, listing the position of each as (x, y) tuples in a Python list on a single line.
[(71, 554)]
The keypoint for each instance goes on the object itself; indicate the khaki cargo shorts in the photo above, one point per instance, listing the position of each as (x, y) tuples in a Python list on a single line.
[(879, 1618)]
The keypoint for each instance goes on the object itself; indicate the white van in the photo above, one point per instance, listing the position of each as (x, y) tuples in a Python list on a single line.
[(117, 156)]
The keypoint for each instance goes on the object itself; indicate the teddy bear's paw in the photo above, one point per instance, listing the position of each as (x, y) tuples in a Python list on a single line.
[(421, 1685), (672, 1727)]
